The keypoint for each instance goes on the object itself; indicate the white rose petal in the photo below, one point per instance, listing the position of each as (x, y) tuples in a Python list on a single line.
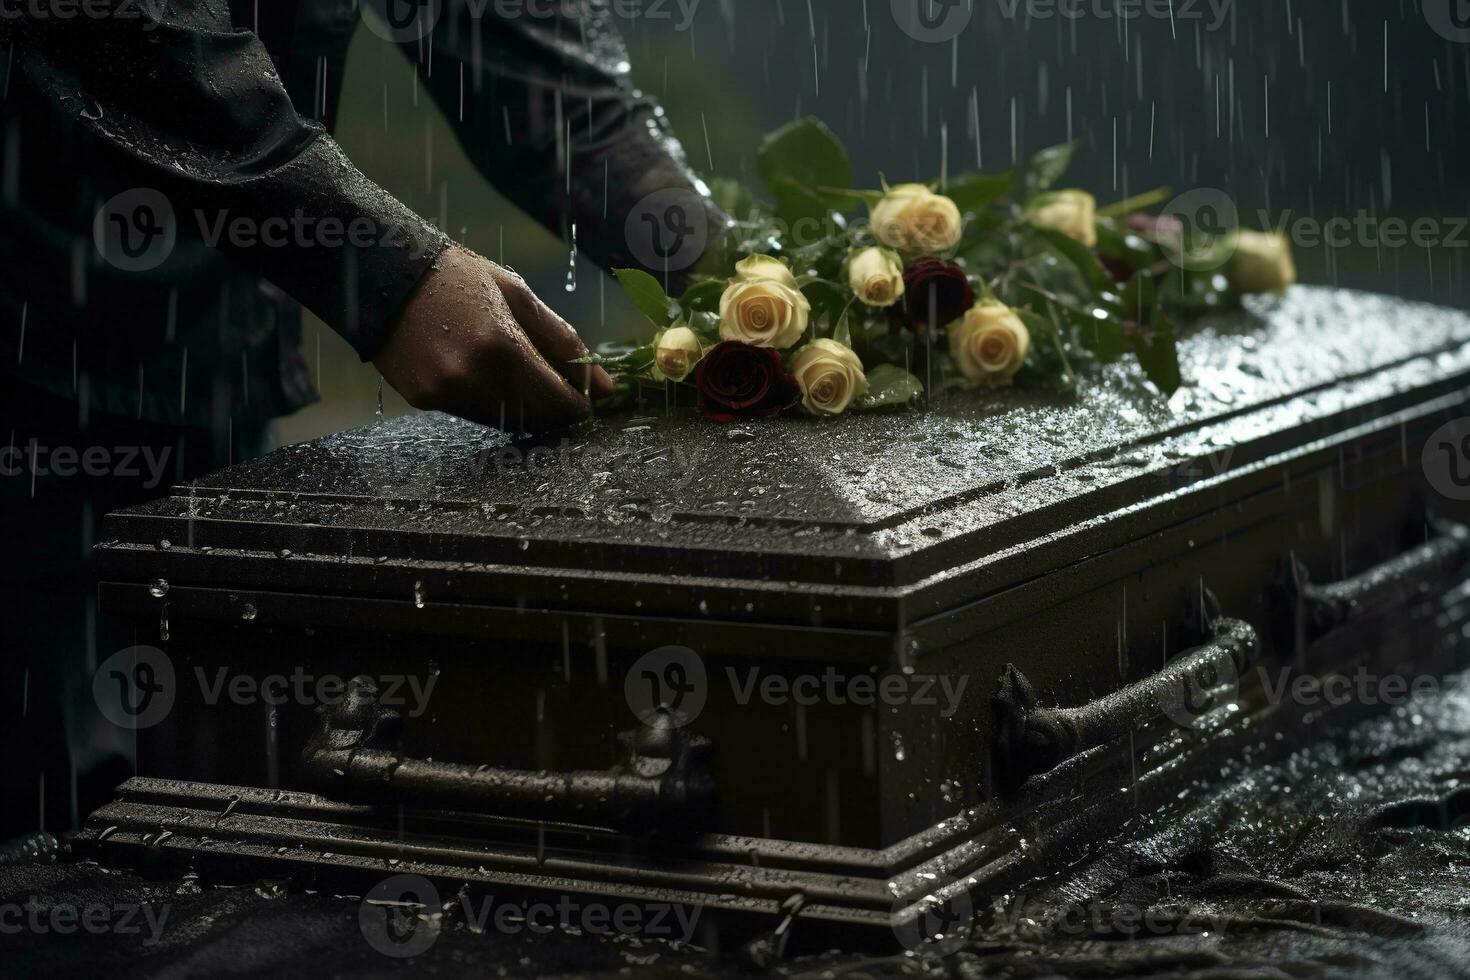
[(990, 344), (757, 267), (1073, 213), (830, 376), (916, 221), (761, 310), (676, 353), (876, 277), (1262, 263)]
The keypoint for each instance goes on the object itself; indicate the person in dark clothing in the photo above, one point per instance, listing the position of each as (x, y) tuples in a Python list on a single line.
[(171, 197)]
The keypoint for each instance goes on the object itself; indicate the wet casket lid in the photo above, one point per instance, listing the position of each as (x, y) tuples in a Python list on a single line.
[(866, 524)]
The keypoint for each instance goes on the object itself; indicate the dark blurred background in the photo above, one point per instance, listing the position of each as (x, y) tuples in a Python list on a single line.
[(1317, 108)]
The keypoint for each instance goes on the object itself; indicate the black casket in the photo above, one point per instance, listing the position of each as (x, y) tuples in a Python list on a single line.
[(849, 670)]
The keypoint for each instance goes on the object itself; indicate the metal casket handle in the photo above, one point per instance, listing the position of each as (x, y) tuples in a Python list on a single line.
[(1031, 739), (662, 784), (1318, 610)]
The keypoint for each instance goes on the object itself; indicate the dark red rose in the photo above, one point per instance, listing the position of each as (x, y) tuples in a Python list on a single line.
[(737, 381), (934, 292)]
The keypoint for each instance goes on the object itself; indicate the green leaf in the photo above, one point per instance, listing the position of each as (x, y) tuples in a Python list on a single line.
[(1140, 299), (1158, 353), (1138, 202), (1084, 258), (1047, 167), (647, 295), (888, 386), (976, 192), (842, 333), (1126, 247), (796, 160), (732, 197), (703, 297), (828, 299)]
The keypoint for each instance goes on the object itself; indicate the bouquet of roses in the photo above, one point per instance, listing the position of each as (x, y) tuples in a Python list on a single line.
[(984, 280)]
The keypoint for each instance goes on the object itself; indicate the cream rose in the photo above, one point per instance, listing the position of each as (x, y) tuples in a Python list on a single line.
[(676, 352), (1073, 213), (830, 376), (1262, 263), (876, 277), (917, 221), (990, 344), (754, 267), (763, 306)]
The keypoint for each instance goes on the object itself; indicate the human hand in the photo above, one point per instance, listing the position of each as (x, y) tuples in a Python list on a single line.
[(474, 341)]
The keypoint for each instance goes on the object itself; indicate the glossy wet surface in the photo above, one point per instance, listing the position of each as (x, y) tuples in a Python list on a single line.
[(1350, 858), (977, 473)]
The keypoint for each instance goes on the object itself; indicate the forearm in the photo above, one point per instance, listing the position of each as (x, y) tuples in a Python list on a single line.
[(545, 108), (189, 108)]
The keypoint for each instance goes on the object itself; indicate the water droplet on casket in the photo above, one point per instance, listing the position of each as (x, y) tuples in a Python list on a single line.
[(898, 750), (158, 589), (418, 595), (165, 544), (284, 553), (248, 611)]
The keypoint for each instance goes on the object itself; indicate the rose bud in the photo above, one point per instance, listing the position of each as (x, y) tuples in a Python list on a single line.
[(876, 277), (1158, 227), (830, 376), (675, 353), (1262, 263), (935, 292), (1073, 213), (916, 221), (762, 306), (990, 344), (737, 381)]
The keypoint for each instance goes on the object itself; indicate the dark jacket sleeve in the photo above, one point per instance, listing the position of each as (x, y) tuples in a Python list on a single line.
[(540, 95), (170, 97)]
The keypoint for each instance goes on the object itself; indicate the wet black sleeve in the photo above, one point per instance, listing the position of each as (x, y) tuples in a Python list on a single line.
[(172, 98), (540, 95)]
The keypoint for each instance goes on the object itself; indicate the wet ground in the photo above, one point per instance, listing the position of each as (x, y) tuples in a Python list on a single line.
[(1350, 858)]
